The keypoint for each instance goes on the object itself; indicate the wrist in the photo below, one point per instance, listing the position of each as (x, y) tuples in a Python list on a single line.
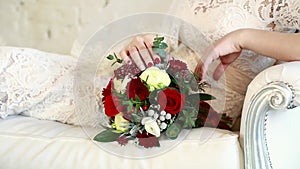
[(242, 38)]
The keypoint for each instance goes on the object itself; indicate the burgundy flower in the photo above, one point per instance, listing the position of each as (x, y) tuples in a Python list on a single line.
[(147, 140), (177, 66), (137, 88), (171, 100), (122, 140), (126, 69)]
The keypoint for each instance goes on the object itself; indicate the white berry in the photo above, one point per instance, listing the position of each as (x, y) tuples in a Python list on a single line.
[(163, 113), (163, 125), (151, 112), (168, 116)]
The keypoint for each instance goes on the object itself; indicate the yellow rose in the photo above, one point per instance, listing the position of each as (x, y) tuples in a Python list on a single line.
[(155, 78), (121, 123)]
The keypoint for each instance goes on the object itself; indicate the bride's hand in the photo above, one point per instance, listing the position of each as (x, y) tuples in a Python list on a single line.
[(139, 52), (227, 49)]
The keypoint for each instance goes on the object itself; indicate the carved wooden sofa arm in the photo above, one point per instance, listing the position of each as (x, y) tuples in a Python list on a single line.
[(276, 88)]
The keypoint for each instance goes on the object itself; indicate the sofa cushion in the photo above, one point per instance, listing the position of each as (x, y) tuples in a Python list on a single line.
[(29, 143)]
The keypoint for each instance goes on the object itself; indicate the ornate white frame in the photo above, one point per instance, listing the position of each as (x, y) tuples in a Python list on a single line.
[(275, 95)]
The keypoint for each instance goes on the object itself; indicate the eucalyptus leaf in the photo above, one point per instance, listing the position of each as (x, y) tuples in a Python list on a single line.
[(107, 136), (189, 122)]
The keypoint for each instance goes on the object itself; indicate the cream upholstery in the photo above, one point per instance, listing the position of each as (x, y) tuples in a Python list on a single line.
[(29, 143)]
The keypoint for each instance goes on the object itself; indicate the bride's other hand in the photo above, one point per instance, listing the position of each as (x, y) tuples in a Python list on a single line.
[(276, 45), (227, 49), (139, 52)]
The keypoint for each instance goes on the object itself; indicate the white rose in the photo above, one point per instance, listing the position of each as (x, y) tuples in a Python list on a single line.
[(151, 126), (155, 78)]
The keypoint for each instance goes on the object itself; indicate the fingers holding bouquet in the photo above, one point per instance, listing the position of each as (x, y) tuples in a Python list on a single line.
[(140, 52)]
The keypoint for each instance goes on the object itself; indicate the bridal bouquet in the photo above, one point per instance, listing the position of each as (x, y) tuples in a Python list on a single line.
[(161, 100)]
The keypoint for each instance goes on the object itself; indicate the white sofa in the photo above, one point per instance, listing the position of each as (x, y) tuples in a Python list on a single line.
[(268, 137), (269, 141)]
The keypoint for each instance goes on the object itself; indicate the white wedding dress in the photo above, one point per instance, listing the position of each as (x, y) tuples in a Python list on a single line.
[(40, 84)]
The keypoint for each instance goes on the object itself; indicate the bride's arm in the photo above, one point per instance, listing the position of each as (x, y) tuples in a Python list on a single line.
[(281, 46)]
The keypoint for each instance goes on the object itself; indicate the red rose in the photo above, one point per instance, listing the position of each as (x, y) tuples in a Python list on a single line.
[(112, 105), (107, 91), (147, 140), (137, 88), (171, 100)]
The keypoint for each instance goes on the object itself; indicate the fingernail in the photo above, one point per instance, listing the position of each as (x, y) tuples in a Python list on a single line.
[(150, 64), (157, 61)]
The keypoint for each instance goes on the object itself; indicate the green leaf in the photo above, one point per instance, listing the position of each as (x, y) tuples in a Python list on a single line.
[(130, 106), (156, 50), (156, 44), (162, 54), (173, 131), (163, 45), (159, 38), (200, 97), (107, 136), (110, 57), (119, 60)]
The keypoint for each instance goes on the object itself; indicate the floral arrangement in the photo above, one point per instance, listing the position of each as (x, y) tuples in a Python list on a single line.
[(161, 100)]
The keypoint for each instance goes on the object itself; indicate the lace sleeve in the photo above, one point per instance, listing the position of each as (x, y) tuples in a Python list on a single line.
[(35, 83)]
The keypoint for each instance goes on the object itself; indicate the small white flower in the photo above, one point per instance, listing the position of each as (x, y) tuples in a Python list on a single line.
[(151, 126)]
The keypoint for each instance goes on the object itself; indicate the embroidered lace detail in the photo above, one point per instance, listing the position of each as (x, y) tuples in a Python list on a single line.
[(215, 18), (40, 85)]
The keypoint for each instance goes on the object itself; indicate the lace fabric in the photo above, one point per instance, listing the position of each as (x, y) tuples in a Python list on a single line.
[(36, 84), (215, 18)]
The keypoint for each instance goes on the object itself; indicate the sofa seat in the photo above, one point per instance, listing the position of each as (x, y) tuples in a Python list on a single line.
[(29, 143)]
